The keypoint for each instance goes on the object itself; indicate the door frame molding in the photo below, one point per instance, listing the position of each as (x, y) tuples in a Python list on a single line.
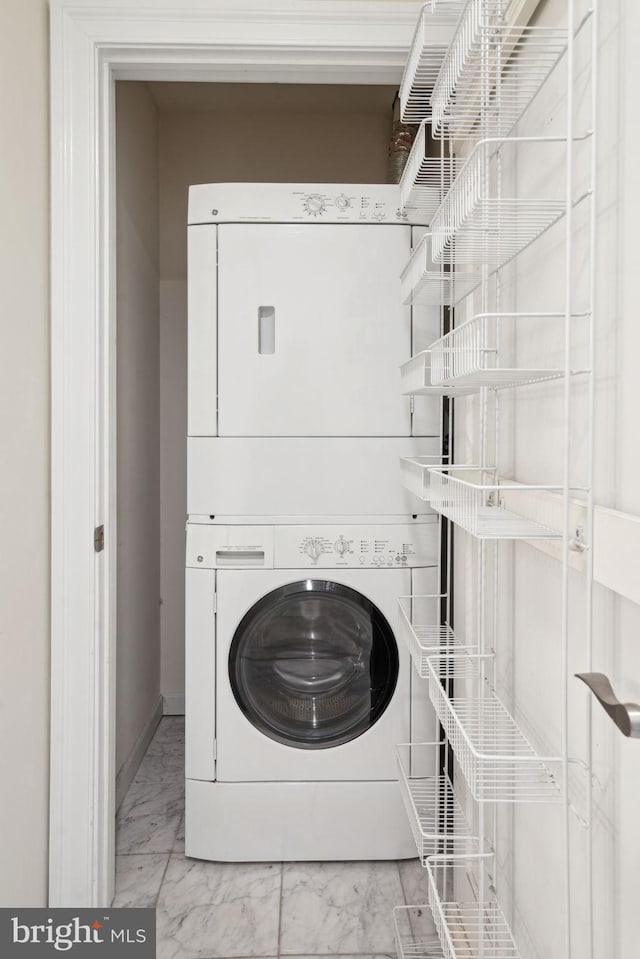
[(94, 43)]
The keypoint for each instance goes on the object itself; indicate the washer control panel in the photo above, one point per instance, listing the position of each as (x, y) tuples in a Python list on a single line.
[(369, 547), (380, 546)]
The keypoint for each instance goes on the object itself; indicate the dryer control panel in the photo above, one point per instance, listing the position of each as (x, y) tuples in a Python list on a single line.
[(299, 203)]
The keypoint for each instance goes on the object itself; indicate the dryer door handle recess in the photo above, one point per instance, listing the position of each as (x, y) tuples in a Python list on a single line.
[(266, 330)]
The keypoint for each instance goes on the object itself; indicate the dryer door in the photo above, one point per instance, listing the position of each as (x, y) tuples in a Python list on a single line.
[(311, 330), (313, 664)]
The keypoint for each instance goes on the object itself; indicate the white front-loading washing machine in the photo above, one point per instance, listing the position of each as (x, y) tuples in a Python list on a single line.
[(297, 690)]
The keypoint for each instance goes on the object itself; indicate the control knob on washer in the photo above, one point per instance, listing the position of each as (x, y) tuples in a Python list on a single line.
[(341, 546), (314, 549)]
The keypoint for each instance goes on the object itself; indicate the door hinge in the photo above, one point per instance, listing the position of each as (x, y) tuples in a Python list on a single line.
[(98, 538)]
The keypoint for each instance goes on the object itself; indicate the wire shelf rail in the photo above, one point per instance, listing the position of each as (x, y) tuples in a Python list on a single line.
[(492, 71), (497, 760), (423, 281), (467, 915), (472, 498), (415, 475), (437, 820), (425, 179), (476, 225), (431, 40), (419, 624), (468, 356), (416, 379)]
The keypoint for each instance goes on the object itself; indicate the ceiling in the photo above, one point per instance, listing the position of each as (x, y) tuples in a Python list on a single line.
[(271, 97)]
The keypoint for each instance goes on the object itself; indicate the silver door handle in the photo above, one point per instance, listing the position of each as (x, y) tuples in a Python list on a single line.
[(626, 716)]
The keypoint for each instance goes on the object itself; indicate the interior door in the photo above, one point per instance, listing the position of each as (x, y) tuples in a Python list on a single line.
[(311, 332)]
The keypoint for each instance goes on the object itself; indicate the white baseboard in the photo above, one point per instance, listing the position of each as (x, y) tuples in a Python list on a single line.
[(173, 704), (129, 767)]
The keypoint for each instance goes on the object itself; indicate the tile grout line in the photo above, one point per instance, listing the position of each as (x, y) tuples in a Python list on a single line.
[(404, 894), (158, 852), (279, 943), (164, 874)]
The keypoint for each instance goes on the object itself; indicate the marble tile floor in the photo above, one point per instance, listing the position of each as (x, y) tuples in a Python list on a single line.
[(207, 910)]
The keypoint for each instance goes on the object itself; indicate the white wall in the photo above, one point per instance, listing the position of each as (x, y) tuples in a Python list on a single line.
[(528, 631), (24, 476), (294, 137), (138, 376)]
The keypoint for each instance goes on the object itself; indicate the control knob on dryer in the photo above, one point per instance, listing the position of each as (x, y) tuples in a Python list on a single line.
[(314, 204)]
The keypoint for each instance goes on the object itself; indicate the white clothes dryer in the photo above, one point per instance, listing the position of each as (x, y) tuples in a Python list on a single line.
[(297, 691)]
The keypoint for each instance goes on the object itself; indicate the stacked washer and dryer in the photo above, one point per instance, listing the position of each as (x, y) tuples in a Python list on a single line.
[(300, 537)]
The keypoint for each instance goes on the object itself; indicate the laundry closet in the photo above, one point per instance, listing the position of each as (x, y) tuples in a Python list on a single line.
[(169, 136), (452, 547)]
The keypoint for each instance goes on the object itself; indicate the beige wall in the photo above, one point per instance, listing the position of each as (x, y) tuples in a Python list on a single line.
[(24, 476), (138, 358), (281, 143)]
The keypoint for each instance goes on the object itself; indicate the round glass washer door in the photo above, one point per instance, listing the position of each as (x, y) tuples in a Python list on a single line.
[(313, 664)]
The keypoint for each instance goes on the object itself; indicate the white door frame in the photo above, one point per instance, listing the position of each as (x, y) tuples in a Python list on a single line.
[(93, 43)]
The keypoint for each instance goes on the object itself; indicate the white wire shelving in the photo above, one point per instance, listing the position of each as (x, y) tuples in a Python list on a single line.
[(477, 223), (414, 933), (473, 498), (416, 379), (514, 185), (497, 760), (467, 915), (437, 820), (472, 357), (492, 71), (469, 356), (423, 281), (420, 626), (431, 41), (415, 475), (425, 179)]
